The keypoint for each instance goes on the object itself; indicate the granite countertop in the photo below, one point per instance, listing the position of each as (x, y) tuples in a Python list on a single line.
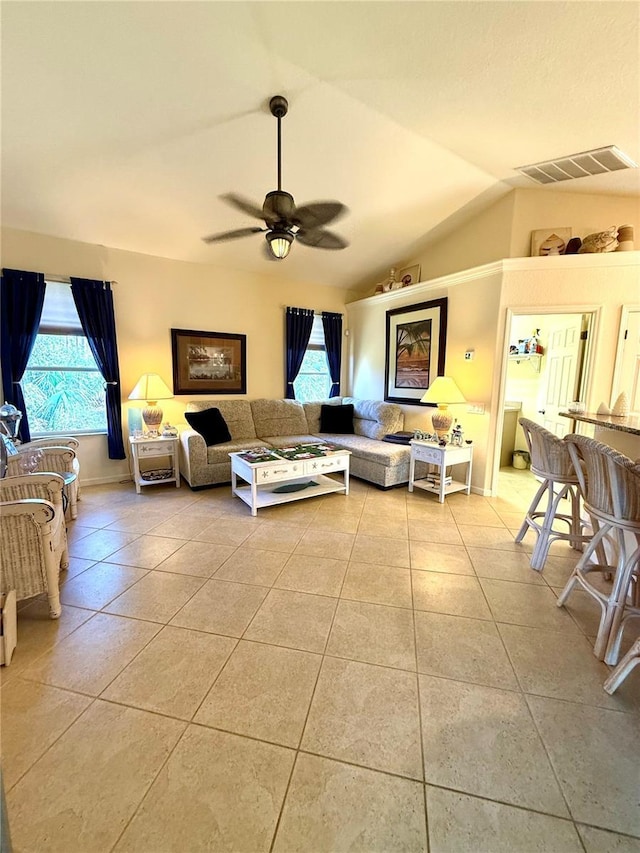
[(630, 423)]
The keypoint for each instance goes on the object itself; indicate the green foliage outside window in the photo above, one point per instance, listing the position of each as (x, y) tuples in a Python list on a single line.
[(313, 382), (63, 388)]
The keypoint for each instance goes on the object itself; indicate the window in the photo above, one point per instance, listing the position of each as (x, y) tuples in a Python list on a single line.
[(62, 386), (314, 382)]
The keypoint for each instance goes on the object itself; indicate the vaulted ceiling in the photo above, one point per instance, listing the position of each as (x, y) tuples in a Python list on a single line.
[(123, 122)]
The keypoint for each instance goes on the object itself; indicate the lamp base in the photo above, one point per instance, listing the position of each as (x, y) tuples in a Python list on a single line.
[(441, 421), (152, 417)]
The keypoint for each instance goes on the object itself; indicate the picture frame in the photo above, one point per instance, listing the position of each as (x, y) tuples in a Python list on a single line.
[(416, 338), (549, 241), (208, 362), (411, 273)]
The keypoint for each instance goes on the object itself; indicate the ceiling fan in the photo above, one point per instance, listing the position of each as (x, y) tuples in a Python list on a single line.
[(284, 221)]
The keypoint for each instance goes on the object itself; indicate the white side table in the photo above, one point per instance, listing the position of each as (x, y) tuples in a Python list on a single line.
[(152, 448), (442, 457)]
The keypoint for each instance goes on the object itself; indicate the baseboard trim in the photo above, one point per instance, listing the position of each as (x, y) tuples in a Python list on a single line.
[(101, 481)]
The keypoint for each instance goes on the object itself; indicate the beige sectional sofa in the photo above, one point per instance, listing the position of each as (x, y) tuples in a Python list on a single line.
[(280, 423)]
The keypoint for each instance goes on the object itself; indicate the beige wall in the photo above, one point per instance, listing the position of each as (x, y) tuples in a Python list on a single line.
[(504, 229), (472, 324), (483, 239), (582, 212), (478, 304), (153, 295)]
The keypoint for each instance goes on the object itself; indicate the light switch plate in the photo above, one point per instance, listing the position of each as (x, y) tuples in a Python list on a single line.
[(468, 356), (476, 409)]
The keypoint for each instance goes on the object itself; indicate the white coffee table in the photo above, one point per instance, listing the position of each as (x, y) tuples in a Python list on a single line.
[(261, 478)]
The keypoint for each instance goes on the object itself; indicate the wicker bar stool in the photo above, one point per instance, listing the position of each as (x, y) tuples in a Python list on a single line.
[(628, 662), (610, 485), (550, 460)]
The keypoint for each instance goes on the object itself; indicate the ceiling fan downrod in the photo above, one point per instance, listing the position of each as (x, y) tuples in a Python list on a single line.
[(279, 107)]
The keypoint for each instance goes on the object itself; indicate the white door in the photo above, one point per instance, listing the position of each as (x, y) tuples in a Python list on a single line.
[(560, 378), (629, 377)]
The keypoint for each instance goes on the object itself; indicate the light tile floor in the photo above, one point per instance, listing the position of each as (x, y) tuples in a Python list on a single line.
[(376, 672)]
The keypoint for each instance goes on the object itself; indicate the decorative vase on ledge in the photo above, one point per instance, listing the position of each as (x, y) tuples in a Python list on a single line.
[(621, 406)]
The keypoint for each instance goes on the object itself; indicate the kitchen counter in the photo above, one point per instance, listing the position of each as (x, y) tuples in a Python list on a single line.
[(630, 423), (623, 434)]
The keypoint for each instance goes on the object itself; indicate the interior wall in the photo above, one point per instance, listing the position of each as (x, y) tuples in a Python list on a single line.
[(584, 213), (483, 239), (504, 229), (567, 285), (153, 295), (473, 309)]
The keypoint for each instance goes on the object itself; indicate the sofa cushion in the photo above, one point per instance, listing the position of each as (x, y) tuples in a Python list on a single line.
[(374, 418), (220, 452), (210, 424), (337, 419), (312, 412), (278, 417), (371, 449), (237, 414)]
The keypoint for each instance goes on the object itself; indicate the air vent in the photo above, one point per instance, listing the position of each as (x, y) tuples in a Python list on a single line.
[(596, 162)]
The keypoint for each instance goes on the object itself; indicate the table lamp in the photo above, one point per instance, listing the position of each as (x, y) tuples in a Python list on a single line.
[(151, 387), (442, 391)]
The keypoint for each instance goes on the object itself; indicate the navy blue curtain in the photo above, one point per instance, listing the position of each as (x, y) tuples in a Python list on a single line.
[(332, 324), (21, 300), (299, 325), (94, 301)]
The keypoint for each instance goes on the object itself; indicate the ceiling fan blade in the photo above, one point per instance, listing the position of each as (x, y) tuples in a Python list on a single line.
[(243, 204), (320, 239), (312, 216), (232, 235)]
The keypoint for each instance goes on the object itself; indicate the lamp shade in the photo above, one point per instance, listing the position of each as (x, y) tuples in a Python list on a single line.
[(279, 243), (151, 387), (443, 390)]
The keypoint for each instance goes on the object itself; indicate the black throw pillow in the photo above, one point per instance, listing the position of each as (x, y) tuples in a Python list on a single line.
[(337, 419), (210, 424)]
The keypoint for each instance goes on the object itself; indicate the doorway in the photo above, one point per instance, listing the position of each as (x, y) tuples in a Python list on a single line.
[(546, 366)]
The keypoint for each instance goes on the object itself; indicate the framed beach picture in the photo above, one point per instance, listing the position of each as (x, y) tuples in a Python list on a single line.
[(415, 350), (208, 362)]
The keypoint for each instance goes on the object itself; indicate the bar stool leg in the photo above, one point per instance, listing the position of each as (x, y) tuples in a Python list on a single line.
[(619, 594), (628, 662)]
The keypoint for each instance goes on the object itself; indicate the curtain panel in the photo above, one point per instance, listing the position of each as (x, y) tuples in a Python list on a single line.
[(21, 301), (332, 324), (299, 322), (94, 301)]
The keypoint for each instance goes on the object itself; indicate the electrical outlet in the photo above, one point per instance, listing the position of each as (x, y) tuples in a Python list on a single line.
[(468, 356), (476, 409)]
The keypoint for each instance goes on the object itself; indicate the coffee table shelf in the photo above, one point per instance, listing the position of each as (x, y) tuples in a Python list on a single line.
[(261, 478)]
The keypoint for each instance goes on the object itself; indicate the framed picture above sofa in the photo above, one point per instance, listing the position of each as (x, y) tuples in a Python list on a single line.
[(208, 362), (415, 351)]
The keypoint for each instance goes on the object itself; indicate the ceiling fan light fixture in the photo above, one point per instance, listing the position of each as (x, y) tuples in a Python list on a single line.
[(279, 243)]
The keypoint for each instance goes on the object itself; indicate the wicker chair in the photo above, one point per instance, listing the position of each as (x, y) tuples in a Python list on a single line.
[(54, 454), (550, 460), (33, 547), (610, 485), (628, 662)]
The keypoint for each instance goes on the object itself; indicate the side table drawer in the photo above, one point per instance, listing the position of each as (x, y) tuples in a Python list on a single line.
[(145, 450), (427, 454), (273, 473), (323, 464)]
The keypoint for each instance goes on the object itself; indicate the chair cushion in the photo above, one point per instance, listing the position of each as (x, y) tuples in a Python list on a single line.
[(210, 424), (337, 419)]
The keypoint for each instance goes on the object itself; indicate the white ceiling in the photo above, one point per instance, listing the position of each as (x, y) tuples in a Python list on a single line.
[(123, 122)]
